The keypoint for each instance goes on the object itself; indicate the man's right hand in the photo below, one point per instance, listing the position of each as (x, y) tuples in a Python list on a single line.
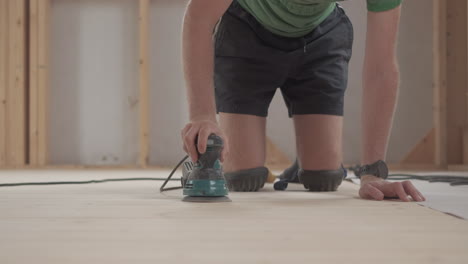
[(203, 129)]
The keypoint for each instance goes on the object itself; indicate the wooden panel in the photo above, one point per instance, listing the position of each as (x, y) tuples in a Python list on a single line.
[(43, 78), (3, 77), (33, 82), (39, 80), (440, 81), (144, 81), (450, 81), (465, 146), (423, 152), (465, 136), (132, 223), (16, 89), (456, 78)]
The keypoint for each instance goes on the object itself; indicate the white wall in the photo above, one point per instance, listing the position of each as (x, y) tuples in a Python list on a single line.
[(168, 101), (94, 77)]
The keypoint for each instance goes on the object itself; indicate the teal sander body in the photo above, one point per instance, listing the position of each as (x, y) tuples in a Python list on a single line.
[(203, 181)]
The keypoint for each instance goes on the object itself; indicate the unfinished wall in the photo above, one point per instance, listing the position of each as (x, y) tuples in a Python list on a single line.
[(94, 73), (93, 82)]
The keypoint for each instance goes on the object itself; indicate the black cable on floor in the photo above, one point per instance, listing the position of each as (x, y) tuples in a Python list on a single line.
[(166, 180), (162, 188), (452, 180), (83, 182)]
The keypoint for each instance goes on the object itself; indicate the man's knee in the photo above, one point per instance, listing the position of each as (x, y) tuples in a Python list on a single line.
[(249, 180)]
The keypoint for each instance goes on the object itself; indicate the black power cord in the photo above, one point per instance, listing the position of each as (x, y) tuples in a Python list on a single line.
[(82, 182), (162, 189), (452, 180)]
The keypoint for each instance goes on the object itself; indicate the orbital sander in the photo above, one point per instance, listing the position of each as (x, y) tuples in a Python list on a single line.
[(203, 181)]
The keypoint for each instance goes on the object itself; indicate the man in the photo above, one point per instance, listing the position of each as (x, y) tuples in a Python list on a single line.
[(303, 47)]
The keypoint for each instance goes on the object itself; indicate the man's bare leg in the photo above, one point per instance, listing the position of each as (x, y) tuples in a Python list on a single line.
[(319, 141), (244, 165), (319, 149)]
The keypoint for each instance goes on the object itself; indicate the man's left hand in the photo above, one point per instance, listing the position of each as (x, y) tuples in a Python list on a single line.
[(374, 188)]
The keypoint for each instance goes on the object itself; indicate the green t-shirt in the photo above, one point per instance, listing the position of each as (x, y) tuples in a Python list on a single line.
[(296, 18)]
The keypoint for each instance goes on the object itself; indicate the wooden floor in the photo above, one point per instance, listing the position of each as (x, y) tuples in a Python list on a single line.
[(132, 222)]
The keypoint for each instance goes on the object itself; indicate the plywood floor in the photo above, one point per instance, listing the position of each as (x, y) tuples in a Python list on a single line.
[(132, 223)]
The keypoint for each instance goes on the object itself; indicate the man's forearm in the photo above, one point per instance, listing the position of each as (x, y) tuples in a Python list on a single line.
[(380, 91), (380, 83), (198, 62)]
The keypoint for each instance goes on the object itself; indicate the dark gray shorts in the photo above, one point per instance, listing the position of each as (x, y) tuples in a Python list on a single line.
[(251, 63)]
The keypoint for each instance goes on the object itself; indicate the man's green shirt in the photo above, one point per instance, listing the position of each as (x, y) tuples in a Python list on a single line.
[(297, 18)]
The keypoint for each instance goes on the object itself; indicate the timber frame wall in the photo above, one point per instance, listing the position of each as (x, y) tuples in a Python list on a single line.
[(446, 145), (24, 88), (13, 80), (24, 83)]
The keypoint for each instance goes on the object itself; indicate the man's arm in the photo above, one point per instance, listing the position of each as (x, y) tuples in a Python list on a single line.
[(198, 60), (380, 91), (380, 83)]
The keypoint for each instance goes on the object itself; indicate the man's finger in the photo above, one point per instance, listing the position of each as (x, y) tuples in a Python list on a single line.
[(370, 192), (409, 188), (225, 150), (222, 155), (400, 191), (189, 140), (203, 135), (183, 132), (422, 196)]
